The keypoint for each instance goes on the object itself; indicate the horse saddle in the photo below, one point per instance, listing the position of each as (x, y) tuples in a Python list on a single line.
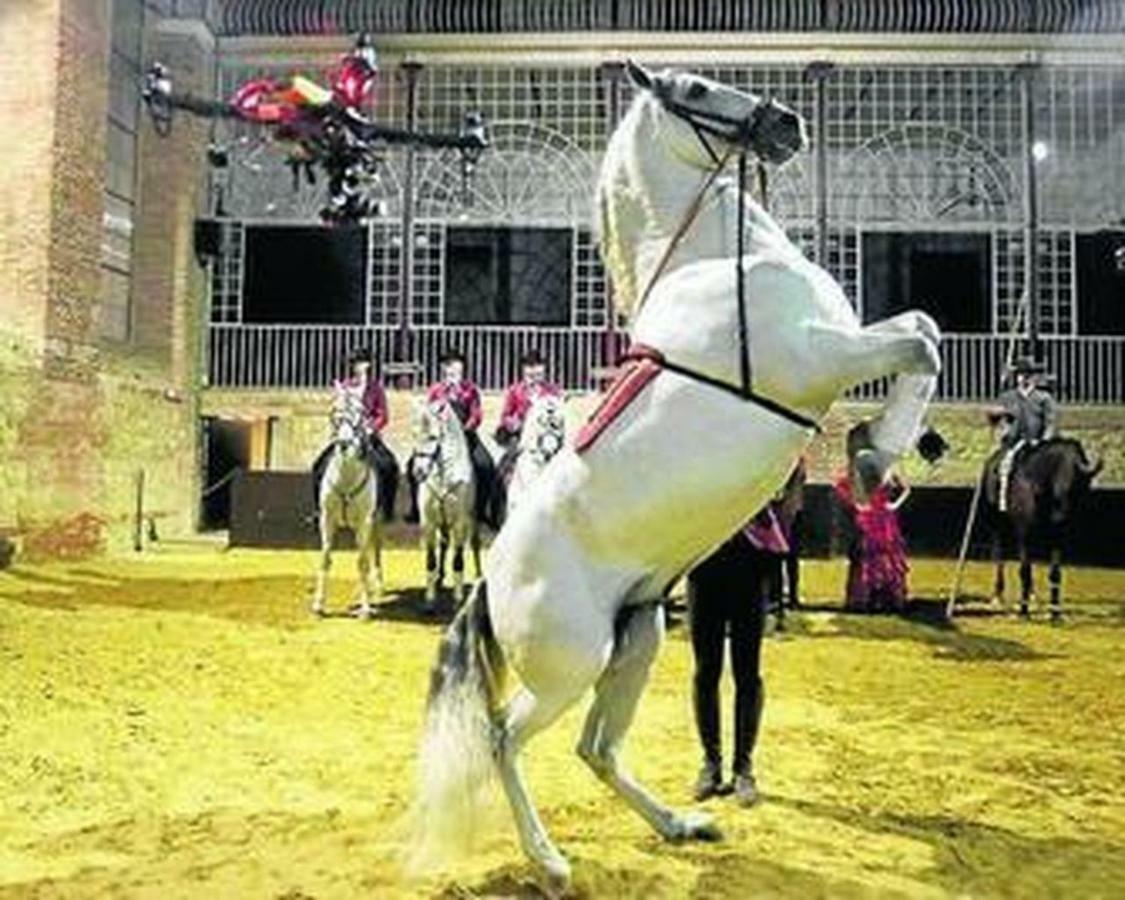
[(632, 377)]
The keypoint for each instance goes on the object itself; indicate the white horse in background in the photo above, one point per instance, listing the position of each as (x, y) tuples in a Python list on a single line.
[(348, 496), (570, 599), (542, 437), (446, 494)]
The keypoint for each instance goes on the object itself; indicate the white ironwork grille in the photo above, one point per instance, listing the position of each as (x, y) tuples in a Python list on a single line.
[(428, 275), (1080, 145), (226, 275), (919, 147), (384, 285)]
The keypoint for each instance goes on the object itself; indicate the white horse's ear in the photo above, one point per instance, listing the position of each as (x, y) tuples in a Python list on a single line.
[(639, 75)]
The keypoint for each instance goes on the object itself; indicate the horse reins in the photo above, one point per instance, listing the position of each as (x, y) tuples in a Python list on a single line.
[(702, 124)]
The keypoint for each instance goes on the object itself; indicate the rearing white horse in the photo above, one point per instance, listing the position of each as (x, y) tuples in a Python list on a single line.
[(542, 437), (573, 580)]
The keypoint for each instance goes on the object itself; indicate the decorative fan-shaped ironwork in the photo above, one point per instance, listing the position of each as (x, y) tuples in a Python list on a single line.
[(922, 173), (530, 175)]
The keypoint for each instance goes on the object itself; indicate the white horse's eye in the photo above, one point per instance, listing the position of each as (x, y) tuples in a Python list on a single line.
[(695, 91)]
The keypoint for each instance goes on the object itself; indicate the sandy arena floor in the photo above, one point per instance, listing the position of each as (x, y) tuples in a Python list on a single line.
[(175, 725)]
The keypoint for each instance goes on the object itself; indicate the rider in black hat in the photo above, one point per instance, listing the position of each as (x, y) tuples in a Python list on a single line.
[(360, 378), (1029, 415)]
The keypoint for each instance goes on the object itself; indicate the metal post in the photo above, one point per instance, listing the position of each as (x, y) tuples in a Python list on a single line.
[(1028, 73), (612, 73), (819, 71), (411, 71), (138, 517)]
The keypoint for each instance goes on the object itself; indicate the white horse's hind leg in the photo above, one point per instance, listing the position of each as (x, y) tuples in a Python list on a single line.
[(526, 715), (617, 693)]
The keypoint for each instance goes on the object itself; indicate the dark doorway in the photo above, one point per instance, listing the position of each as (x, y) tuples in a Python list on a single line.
[(508, 276), (226, 447), (947, 274), (305, 274), (1101, 282)]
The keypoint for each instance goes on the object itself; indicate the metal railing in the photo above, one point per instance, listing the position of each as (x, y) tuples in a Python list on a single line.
[(1085, 369), (311, 356), (259, 17)]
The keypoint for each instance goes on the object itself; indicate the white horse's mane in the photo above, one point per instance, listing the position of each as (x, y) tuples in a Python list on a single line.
[(621, 210)]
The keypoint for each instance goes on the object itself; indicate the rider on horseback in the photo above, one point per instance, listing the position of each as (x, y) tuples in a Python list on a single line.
[(464, 397), (517, 404), (374, 400), (1029, 415)]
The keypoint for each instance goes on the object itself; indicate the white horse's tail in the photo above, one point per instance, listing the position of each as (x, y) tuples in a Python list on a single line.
[(456, 759)]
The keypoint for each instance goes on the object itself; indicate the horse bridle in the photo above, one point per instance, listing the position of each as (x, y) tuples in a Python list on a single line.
[(704, 123), (548, 444), (339, 443)]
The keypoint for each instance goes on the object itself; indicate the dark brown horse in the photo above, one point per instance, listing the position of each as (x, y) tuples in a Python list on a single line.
[(1047, 482)]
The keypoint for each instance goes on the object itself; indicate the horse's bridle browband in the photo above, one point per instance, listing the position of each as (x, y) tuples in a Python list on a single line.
[(744, 129), (738, 131)]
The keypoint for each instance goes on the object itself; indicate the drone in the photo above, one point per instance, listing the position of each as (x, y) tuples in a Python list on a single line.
[(323, 128)]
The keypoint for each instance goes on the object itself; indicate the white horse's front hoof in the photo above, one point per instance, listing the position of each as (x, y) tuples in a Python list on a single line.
[(317, 608), (557, 872), (364, 611)]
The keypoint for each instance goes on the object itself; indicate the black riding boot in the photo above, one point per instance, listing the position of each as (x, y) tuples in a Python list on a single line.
[(412, 514), (320, 464), (748, 707)]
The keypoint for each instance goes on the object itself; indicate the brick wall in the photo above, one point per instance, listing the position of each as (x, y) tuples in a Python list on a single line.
[(81, 416)]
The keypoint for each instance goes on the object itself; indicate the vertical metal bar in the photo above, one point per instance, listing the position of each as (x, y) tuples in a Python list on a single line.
[(1028, 72), (612, 73), (411, 71), (820, 71)]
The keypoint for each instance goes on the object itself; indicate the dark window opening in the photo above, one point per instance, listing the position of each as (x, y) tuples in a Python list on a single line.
[(1101, 282), (305, 274), (946, 274), (508, 276)]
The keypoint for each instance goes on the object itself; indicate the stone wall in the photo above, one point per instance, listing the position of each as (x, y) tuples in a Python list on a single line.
[(301, 428), (81, 415)]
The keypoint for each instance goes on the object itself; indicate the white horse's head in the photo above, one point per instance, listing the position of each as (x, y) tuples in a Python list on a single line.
[(348, 432), (679, 131), (544, 429), (439, 441), (706, 120)]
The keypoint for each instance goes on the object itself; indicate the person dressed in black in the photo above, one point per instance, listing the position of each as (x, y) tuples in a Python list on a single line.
[(727, 596), (375, 417)]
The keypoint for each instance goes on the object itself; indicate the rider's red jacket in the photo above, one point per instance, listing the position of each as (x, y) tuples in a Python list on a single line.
[(464, 397), (518, 400)]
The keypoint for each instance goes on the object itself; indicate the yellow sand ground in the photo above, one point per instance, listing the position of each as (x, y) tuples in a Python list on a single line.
[(175, 725)]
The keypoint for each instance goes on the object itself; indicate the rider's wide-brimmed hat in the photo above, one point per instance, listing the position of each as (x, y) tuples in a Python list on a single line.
[(1028, 365), (361, 354)]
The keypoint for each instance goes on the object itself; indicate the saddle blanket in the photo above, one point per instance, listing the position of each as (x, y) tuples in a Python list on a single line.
[(632, 377)]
